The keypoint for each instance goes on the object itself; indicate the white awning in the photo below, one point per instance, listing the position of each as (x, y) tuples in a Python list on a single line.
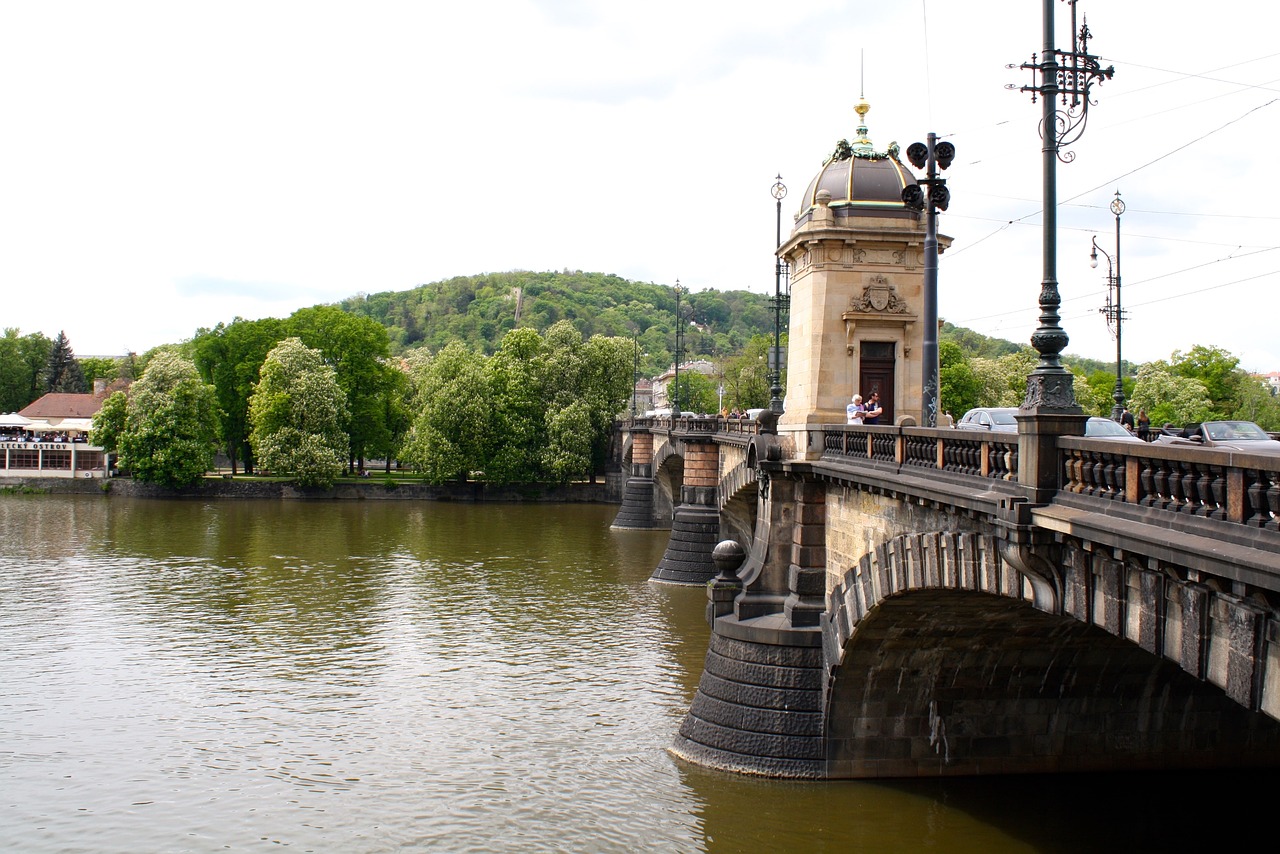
[(13, 419)]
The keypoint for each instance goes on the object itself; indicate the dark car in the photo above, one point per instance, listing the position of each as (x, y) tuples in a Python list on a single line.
[(1223, 435)]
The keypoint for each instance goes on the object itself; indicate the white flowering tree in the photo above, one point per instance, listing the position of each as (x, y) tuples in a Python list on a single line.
[(170, 427), (298, 414)]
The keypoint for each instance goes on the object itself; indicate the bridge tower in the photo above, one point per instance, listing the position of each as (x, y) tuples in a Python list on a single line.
[(856, 256)]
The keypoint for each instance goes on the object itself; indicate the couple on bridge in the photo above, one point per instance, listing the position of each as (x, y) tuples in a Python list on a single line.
[(869, 413)]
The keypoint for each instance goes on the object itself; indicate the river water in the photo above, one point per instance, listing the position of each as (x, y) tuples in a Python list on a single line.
[(395, 675)]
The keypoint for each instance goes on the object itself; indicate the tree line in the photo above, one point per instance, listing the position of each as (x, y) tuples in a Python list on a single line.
[(1203, 384), (316, 394)]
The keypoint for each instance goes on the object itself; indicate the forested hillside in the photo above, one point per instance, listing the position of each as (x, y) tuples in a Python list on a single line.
[(478, 310)]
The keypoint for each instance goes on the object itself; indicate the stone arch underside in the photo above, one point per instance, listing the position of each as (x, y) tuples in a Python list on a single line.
[(937, 663), (951, 682), (739, 504), (668, 475)]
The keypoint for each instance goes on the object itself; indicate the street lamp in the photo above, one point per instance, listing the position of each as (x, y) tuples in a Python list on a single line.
[(1112, 311), (635, 373), (674, 397), (934, 155), (780, 303), (1064, 91)]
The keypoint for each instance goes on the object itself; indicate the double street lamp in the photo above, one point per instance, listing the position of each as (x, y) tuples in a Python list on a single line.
[(1112, 311), (931, 157)]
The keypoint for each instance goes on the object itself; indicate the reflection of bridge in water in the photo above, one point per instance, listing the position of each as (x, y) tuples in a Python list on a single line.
[(930, 602)]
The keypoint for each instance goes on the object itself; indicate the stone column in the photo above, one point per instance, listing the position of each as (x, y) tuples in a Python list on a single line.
[(636, 511), (695, 527)]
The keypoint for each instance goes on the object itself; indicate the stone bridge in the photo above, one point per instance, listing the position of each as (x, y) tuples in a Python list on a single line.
[(897, 601)]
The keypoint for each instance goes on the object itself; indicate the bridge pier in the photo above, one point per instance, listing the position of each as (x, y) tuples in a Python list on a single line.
[(695, 526), (636, 511)]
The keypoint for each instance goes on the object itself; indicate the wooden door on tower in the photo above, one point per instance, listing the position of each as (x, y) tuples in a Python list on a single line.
[(875, 374)]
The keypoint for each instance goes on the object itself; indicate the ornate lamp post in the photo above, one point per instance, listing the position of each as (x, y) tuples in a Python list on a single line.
[(932, 156), (635, 373), (1112, 311), (675, 383), (1064, 89), (780, 304)]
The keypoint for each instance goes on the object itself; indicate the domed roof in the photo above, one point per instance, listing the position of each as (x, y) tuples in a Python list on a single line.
[(861, 180)]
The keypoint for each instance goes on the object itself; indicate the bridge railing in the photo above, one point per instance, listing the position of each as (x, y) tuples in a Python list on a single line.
[(965, 452), (1190, 482), (696, 424)]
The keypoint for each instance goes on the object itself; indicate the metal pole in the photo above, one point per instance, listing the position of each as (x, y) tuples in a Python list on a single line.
[(1049, 385), (779, 191), (635, 374), (929, 380), (675, 383), (1117, 207)]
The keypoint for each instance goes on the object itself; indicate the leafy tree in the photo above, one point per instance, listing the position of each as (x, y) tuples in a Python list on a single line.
[(1217, 370), (695, 392), (1103, 385), (1004, 380), (746, 376), (62, 372), (1255, 403), (110, 421), (22, 363), (170, 428), (297, 413), (517, 382), (230, 357), (569, 435), (357, 348), (99, 368), (1169, 397), (452, 432), (959, 387)]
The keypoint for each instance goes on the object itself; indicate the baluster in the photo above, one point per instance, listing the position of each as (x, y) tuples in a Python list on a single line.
[(1075, 472), (1202, 491), (1218, 493), (1146, 483), (1109, 475), (1273, 500), (1163, 498), (1176, 498), (1255, 494), (1190, 488)]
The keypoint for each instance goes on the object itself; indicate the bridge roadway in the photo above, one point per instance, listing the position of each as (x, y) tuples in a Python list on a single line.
[(908, 601)]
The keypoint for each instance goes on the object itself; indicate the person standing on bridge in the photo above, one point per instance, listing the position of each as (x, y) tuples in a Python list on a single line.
[(874, 409), (855, 411)]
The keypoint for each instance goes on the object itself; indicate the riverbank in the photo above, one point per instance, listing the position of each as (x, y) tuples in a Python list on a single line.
[(379, 489)]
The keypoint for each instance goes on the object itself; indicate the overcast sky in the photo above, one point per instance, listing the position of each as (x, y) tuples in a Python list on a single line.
[(166, 166)]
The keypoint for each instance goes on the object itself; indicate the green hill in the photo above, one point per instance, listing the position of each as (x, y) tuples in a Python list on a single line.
[(478, 309)]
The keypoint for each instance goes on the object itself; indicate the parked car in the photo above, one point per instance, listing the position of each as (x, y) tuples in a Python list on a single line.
[(753, 414), (997, 419), (1105, 428), (1223, 435)]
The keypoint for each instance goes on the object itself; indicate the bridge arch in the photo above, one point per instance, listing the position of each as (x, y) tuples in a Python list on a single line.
[(668, 475), (937, 662)]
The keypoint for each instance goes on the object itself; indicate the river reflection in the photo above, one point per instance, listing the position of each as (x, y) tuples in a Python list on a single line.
[(369, 676)]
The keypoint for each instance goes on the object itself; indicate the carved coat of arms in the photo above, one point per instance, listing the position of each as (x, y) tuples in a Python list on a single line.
[(879, 296)]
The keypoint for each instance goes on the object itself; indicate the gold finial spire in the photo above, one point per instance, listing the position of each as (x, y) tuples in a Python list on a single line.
[(862, 108)]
